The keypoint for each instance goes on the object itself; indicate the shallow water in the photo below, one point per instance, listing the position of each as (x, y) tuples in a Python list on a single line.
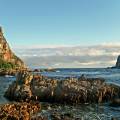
[(4, 83), (110, 75), (86, 112)]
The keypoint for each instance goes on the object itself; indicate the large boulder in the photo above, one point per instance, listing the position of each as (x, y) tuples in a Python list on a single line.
[(87, 90), (8, 59), (20, 89)]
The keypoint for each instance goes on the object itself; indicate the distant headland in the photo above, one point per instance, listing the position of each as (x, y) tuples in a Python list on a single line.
[(117, 65), (118, 62)]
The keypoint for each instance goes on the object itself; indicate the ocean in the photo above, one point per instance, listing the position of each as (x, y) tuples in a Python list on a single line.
[(87, 112), (110, 75)]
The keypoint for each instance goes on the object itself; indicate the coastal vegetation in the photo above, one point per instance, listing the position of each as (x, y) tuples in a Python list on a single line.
[(9, 62), (70, 90), (6, 65)]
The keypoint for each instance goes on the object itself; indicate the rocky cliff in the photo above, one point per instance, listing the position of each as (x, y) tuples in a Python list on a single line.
[(7, 57), (118, 62)]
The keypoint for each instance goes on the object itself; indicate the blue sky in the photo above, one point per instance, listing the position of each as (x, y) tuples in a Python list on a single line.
[(60, 22)]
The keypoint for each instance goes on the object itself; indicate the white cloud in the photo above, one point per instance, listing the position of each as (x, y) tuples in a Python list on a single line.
[(40, 46), (70, 56)]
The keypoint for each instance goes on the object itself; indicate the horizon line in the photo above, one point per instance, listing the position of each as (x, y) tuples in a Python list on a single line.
[(42, 46)]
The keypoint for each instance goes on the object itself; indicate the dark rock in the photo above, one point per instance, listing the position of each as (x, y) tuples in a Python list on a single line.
[(20, 89), (48, 70), (114, 118), (36, 70), (59, 116), (115, 103), (37, 87), (118, 62)]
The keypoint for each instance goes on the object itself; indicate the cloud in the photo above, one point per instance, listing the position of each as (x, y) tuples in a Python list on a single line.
[(70, 56)]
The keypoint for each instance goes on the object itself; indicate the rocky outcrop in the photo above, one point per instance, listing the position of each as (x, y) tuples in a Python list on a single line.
[(7, 57), (19, 111), (118, 62), (115, 103), (82, 90)]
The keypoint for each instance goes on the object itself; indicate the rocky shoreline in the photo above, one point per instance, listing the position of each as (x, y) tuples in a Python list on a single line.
[(71, 91), (19, 111), (29, 88), (9, 72), (34, 110)]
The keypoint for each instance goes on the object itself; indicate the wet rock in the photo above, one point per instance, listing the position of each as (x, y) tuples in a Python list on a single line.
[(39, 117), (36, 70), (115, 103), (60, 116), (11, 72), (37, 87), (20, 89), (114, 118)]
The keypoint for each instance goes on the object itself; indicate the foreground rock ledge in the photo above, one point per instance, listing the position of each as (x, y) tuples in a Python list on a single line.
[(83, 90), (19, 111)]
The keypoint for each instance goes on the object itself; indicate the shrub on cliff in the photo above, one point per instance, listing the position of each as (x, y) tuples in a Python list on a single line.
[(6, 65)]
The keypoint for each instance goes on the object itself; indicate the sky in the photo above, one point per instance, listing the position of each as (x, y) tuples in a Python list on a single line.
[(59, 22), (56, 23)]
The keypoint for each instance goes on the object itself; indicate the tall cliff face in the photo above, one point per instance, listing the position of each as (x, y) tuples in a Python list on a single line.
[(118, 62), (6, 55)]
